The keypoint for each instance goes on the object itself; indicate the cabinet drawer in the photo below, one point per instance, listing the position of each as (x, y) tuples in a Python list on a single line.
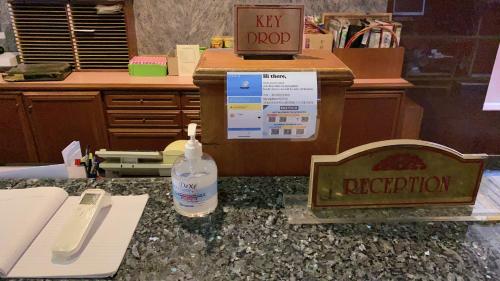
[(190, 101), (59, 117), (167, 100), (143, 139), (144, 118), (369, 118), (191, 116)]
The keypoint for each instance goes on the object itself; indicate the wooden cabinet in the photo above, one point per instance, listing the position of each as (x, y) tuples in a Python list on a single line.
[(191, 116), (376, 106), (120, 112), (276, 157), (148, 119), (376, 115), (369, 116), (411, 120), (58, 118), (142, 99), (190, 100), (144, 118), (16, 140), (111, 110), (36, 125), (142, 139)]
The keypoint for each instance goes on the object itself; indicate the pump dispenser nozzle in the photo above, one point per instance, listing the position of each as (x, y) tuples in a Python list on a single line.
[(192, 149), (192, 130)]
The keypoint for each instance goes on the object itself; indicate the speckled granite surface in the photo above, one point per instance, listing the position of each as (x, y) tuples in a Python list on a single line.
[(248, 238)]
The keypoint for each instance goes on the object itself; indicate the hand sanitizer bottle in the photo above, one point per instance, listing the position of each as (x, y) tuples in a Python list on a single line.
[(194, 180)]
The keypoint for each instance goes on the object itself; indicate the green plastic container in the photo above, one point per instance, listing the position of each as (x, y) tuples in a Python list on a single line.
[(147, 70)]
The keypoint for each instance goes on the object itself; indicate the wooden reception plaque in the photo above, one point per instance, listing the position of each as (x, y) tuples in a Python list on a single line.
[(268, 29), (395, 173), (269, 157)]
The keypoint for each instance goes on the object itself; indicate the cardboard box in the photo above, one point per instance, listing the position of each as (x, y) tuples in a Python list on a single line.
[(8, 59), (318, 41), (173, 64)]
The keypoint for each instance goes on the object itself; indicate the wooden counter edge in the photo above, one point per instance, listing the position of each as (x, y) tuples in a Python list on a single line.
[(396, 83), (376, 84), (340, 75), (19, 86), (104, 81)]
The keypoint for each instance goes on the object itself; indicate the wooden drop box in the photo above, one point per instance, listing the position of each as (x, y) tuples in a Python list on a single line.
[(269, 157)]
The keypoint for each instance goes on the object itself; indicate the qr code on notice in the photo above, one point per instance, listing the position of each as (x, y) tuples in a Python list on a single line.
[(305, 118), (283, 119), (275, 131), (299, 131), (287, 131), (272, 119)]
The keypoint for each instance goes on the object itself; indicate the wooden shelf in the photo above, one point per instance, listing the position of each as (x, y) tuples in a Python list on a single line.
[(104, 80), (372, 62), (382, 83)]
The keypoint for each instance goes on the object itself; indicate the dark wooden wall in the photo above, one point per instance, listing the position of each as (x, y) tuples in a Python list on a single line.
[(452, 88)]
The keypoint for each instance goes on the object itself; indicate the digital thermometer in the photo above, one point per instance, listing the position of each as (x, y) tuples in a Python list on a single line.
[(75, 230)]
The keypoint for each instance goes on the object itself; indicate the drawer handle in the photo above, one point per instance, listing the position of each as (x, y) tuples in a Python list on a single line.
[(85, 30), (143, 120), (141, 101)]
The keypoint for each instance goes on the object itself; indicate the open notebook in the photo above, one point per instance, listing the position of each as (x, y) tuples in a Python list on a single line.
[(30, 220)]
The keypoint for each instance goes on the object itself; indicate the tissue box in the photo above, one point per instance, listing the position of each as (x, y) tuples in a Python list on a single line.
[(173, 63)]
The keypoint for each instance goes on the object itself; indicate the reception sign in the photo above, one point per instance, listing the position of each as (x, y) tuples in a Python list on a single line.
[(395, 173), (268, 29)]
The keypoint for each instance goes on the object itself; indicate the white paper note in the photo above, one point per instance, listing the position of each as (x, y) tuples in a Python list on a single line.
[(58, 171), (271, 105), (23, 214), (103, 251), (188, 57)]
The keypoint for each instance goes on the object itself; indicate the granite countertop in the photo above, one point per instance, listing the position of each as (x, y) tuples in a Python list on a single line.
[(248, 238)]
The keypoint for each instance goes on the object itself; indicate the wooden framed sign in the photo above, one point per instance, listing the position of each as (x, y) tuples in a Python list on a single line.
[(268, 29), (395, 173)]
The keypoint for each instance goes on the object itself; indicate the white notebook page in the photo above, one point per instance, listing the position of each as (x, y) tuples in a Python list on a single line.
[(23, 214), (103, 251)]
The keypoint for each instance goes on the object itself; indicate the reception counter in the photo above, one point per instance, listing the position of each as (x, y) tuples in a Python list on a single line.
[(248, 237), (116, 111)]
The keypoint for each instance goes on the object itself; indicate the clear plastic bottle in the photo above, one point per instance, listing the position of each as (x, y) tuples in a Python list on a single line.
[(194, 180)]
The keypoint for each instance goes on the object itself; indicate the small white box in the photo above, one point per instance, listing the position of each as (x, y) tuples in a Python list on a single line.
[(8, 59)]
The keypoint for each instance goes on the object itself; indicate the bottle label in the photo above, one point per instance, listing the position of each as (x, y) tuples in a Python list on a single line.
[(191, 194)]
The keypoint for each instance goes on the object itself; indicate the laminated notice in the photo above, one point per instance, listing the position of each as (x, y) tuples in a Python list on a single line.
[(271, 105)]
